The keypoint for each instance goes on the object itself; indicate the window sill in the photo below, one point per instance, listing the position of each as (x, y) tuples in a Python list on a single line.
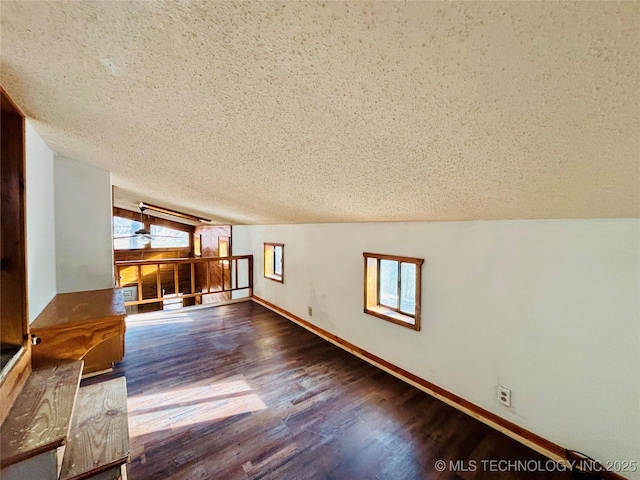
[(275, 278), (393, 317)]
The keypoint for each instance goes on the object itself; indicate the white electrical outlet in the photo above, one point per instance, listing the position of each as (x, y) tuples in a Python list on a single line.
[(504, 396), (310, 311)]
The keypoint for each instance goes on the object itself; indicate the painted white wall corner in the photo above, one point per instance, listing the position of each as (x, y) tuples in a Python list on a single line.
[(84, 243), (40, 232)]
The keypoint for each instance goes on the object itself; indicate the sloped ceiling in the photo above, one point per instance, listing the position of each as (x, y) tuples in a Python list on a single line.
[(283, 112)]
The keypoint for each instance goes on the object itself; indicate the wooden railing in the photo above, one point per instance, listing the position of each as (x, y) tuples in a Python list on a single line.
[(163, 279)]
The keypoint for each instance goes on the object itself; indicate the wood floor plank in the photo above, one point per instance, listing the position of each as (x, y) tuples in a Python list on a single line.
[(239, 392)]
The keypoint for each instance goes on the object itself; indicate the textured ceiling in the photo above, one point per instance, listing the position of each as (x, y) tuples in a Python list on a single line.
[(263, 112)]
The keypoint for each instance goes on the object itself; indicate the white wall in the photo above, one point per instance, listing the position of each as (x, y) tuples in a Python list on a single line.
[(549, 309), (84, 251), (69, 230), (41, 242)]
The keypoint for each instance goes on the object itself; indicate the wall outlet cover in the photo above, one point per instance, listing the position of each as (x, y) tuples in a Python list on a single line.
[(504, 396)]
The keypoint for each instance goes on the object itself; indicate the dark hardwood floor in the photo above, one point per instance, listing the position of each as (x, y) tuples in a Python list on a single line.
[(238, 392)]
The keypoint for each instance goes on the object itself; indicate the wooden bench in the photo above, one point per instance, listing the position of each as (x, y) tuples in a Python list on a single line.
[(85, 326)]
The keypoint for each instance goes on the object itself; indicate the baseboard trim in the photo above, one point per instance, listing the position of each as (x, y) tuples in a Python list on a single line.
[(522, 435)]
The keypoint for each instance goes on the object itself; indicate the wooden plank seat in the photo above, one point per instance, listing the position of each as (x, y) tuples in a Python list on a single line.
[(99, 440), (74, 324), (39, 420)]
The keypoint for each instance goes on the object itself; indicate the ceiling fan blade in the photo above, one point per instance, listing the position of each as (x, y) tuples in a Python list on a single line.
[(139, 235)]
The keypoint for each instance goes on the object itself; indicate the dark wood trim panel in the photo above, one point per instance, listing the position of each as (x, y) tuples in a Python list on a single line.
[(8, 105), (14, 318), (538, 443), (14, 323)]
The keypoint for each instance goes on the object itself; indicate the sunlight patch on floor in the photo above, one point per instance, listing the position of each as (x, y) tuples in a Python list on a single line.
[(160, 318), (182, 407)]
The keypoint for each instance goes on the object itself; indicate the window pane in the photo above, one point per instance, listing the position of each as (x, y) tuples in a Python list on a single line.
[(408, 288), (165, 237), (223, 247), (389, 283), (268, 260), (124, 233), (372, 282), (277, 267)]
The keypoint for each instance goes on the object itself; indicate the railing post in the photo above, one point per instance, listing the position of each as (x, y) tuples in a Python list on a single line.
[(235, 260), (251, 276)]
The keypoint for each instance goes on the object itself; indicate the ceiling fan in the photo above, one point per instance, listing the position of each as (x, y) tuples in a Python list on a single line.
[(143, 235)]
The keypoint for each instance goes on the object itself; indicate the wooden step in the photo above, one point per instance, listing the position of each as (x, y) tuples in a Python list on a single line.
[(39, 421), (35, 430), (99, 442)]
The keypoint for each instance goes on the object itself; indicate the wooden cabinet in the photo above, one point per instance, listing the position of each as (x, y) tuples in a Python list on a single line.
[(85, 326)]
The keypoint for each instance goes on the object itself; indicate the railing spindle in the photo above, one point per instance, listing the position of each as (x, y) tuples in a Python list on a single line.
[(236, 271), (224, 286), (176, 280), (206, 267), (193, 277), (158, 283), (251, 275)]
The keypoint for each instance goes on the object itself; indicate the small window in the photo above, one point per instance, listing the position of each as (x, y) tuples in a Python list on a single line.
[(197, 245), (165, 237), (223, 249), (124, 233), (274, 261), (392, 288)]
